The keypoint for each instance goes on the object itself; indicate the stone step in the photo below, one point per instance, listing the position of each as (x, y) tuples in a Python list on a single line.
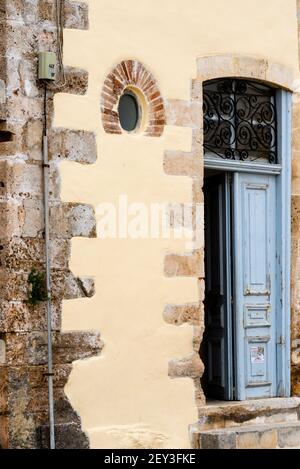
[(220, 414), (280, 435)]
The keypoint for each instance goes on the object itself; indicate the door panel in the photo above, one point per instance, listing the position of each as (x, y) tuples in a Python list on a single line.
[(218, 330), (255, 285), (255, 252)]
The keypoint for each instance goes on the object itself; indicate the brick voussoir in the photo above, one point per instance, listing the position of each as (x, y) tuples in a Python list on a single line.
[(154, 130)]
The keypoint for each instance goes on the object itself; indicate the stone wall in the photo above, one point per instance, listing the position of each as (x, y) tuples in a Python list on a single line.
[(26, 27)]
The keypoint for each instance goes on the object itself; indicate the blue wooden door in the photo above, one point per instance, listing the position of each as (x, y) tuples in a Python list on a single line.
[(254, 282)]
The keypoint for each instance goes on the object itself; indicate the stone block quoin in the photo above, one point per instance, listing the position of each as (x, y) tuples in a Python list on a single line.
[(189, 164)]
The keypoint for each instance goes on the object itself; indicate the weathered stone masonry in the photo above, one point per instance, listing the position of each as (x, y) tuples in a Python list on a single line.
[(189, 164), (26, 27)]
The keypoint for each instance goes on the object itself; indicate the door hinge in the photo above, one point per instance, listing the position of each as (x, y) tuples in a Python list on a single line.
[(281, 341)]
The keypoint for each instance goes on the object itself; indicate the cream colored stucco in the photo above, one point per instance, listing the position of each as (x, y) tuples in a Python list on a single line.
[(125, 397)]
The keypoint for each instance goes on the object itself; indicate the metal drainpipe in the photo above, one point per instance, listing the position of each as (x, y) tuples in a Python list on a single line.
[(48, 276)]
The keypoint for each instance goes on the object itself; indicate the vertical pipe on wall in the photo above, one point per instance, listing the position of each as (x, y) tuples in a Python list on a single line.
[(48, 276), (59, 8)]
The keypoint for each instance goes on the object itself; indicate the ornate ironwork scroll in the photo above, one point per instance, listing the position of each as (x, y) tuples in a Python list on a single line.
[(240, 121)]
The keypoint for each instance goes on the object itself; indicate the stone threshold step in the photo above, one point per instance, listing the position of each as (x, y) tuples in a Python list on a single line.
[(219, 414), (277, 435)]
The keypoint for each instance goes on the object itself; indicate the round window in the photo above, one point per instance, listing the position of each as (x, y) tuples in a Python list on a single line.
[(128, 110)]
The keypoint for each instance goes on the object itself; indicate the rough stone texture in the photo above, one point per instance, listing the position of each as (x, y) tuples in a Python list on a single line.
[(215, 66), (180, 314), (73, 145), (76, 15), (237, 414), (25, 28), (76, 81), (259, 440), (282, 435), (68, 436), (71, 219), (2, 92), (211, 441), (188, 265), (132, 73), (289, 437), (179, 163), (30, 347), (191, 367), (17, 316)]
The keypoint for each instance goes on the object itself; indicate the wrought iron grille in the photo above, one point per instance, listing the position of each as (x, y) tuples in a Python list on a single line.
[(240, 120)]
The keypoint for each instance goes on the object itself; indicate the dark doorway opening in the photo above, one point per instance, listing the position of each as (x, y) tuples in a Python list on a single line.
[(217, 348)]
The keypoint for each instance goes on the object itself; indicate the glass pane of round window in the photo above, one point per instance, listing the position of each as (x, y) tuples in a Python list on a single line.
[(128, 112)]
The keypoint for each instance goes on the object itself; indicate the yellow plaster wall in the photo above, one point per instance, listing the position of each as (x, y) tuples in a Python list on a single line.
[(125, 397)]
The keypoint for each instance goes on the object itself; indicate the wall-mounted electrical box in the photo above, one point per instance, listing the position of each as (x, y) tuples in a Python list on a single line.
[(47, 63)]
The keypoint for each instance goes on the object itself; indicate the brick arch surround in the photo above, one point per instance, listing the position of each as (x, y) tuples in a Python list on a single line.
[(132, 73)]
